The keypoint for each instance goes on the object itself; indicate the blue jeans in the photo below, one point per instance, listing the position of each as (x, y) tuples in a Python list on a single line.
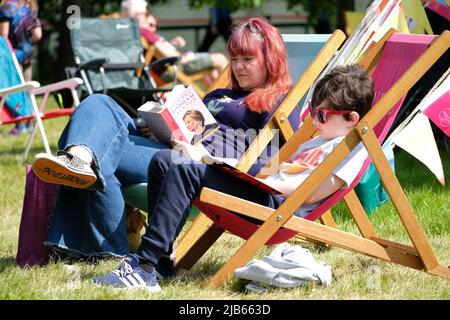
[(92, 223)]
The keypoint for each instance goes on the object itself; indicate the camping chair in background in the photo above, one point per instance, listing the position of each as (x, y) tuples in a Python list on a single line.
[(194, 80), (107, 54), (405, 59), (15, 92)]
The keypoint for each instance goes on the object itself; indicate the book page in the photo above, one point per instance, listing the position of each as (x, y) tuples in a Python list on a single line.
[(151, 112), (201, 154)]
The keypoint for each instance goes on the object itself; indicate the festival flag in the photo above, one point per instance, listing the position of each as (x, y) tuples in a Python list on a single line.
[(414, 10), (441, 9), (417, 139), (438, 109)]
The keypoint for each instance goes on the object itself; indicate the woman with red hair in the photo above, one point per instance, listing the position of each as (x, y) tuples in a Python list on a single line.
[(103, 150), (258, 39)]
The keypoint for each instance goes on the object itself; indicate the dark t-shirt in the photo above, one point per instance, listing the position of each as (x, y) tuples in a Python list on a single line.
[(238, 125)]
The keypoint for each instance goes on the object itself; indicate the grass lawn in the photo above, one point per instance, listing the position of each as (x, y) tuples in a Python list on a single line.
[(354, 276)]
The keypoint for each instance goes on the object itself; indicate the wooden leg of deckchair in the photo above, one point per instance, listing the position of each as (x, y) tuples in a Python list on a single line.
[(251, 246), (398, 197), (359, 215), (327, 220), (196, 241)]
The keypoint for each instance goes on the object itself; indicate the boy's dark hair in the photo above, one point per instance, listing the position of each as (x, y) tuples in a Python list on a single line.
[(345, 88)]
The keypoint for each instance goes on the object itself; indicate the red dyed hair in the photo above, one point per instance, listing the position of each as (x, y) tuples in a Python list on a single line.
[(246, 39)]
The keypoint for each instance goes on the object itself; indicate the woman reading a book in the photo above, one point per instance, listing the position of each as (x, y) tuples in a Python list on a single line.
[(340, 99), (102, 149)]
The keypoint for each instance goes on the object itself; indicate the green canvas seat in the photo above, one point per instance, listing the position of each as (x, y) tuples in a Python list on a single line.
[(107, 53)]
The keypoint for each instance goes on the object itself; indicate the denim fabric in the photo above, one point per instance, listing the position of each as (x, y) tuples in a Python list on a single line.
[(92, 223), (171, 189)]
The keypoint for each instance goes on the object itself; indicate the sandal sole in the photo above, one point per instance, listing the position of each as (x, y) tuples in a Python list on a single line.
[(55, 172)]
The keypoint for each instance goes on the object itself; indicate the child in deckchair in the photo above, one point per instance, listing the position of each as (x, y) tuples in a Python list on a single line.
[(340, 99)]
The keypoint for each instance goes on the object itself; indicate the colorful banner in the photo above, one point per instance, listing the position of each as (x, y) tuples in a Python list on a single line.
[(414, 10), (418, 140), (438, 110)]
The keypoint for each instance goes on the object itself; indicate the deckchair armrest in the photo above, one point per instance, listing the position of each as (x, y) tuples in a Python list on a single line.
[(93, 64), (65, 84), (103, 63), (123, 66), (160, 64), (28, 86)]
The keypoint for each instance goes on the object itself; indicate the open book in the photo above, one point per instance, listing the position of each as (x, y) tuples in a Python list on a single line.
[(183, 117), (260, 184), (201, 154)]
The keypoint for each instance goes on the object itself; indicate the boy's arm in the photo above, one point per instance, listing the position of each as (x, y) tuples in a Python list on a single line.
[(331, 184), (327, 188)]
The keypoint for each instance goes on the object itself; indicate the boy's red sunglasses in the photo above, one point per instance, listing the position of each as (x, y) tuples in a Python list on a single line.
[(321, 114)]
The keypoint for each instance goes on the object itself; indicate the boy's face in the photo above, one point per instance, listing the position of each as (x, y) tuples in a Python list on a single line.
[(335, 125)]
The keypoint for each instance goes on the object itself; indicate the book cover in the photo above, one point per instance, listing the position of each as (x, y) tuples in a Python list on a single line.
[(183, 117)]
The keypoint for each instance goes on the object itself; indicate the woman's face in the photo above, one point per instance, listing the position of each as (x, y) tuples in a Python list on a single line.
[(250, 71), (193, 125)]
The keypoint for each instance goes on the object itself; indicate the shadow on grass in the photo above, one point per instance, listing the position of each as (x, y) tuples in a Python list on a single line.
[(7, 262)]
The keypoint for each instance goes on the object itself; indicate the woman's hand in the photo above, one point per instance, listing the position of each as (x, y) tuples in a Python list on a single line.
[(142, 128)]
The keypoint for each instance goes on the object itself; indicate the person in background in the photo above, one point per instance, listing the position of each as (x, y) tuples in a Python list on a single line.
[(220, 22), (191, 62), (19, 23)]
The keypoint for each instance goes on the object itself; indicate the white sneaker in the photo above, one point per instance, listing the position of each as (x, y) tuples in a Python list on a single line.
[(65, 169)]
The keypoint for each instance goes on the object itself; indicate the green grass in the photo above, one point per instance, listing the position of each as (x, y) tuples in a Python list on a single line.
[(354, 276)]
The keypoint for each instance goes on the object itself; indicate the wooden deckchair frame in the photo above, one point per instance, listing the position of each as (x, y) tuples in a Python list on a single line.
[(419, 256), (203, 232)]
